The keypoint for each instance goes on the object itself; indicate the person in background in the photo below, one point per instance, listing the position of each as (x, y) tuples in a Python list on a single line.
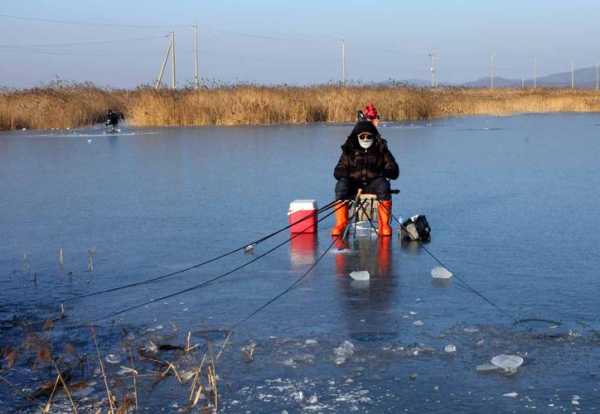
[(366, 163), (113, 118)]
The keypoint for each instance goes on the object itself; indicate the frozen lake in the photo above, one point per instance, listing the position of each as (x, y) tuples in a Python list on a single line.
[(513, 207)]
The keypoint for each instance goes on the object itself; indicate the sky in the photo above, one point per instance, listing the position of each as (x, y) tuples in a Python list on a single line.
[(122, 43)]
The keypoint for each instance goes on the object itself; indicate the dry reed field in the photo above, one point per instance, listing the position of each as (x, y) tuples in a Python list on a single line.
[(80, 105)]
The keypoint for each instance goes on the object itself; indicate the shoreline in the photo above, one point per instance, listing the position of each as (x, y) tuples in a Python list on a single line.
[(79, 106)]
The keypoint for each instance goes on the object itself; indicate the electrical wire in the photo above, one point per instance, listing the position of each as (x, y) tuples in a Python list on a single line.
[(89, 42), (88, 23)]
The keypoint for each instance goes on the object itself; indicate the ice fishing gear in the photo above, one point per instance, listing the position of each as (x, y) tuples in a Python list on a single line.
[(416, 228)]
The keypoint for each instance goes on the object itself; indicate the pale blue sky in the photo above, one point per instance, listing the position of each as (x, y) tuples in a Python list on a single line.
[(269, 41)]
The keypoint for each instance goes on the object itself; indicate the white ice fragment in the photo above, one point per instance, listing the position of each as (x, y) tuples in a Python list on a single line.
[(313, 399), (450, 348), (113, 359), (343, 352), (126, 370), (511, 395), (575, 402), (249, 249), (509, 363), (440, 272), (311, 342), (151, 347), (298, 396), (412, 313), (471, 330), (89, 141), (360, 275), (418, 323)]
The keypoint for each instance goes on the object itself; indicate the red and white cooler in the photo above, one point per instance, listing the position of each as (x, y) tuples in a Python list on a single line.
[(306, 211)]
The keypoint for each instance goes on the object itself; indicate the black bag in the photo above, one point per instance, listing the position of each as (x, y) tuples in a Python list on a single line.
[(416, 228)]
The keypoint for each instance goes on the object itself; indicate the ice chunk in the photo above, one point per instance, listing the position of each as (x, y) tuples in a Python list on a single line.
[(127, 371), (418, 323), (360, 275), (440, 272), (450, 348), (113, 359), (511, 395), (298, 396), (508, 363), (343, 352)]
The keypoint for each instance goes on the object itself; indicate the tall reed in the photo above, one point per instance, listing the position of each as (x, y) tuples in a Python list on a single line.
[(80, 105)]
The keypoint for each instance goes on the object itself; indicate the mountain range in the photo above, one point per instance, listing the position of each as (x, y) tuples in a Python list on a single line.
[(584, 78)]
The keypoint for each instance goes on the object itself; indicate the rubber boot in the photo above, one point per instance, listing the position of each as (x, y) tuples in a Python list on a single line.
[(384, 213), (384, 256), (341, 218)]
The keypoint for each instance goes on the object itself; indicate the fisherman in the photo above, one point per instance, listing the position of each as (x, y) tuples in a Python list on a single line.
[(113, 118), (366, 163)]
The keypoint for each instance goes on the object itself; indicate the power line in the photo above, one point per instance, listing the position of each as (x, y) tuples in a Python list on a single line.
[(89, 42), (88, 23)]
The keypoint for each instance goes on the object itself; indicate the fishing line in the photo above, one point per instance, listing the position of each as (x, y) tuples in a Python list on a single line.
[(298, 280), (209, 281), (465, 284), (198, 265), (231, 330), (289, 288)]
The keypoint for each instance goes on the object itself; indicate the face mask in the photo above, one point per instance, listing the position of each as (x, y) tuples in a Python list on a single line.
[(365, 140)]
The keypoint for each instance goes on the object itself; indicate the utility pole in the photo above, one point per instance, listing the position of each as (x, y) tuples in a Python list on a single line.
[(534, 73), (572, 75), (196, 78), (492, 70), (522, 83), (173, 78), (343, 62), (432, 68), (162, 67)]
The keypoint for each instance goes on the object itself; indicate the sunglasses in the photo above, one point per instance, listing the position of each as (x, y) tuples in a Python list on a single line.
[(365, 136)]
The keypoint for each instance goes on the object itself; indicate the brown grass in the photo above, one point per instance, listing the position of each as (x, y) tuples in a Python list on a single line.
[(81, 105)]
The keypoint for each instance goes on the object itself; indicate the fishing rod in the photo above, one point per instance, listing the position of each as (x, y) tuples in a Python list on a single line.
[(212, 280), (198, 265)]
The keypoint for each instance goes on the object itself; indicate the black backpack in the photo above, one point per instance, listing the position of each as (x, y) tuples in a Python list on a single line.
[(416, 228)]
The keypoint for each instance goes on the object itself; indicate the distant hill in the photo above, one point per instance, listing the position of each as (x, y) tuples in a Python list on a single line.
[(584, 78)]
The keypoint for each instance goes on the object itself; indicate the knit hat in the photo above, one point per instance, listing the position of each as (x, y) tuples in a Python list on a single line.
[(370, 112)]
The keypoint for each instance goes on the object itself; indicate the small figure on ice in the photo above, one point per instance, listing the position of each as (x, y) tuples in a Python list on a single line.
[(112, 120)]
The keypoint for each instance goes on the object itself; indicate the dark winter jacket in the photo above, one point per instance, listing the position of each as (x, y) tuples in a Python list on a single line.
[(364, 165)]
